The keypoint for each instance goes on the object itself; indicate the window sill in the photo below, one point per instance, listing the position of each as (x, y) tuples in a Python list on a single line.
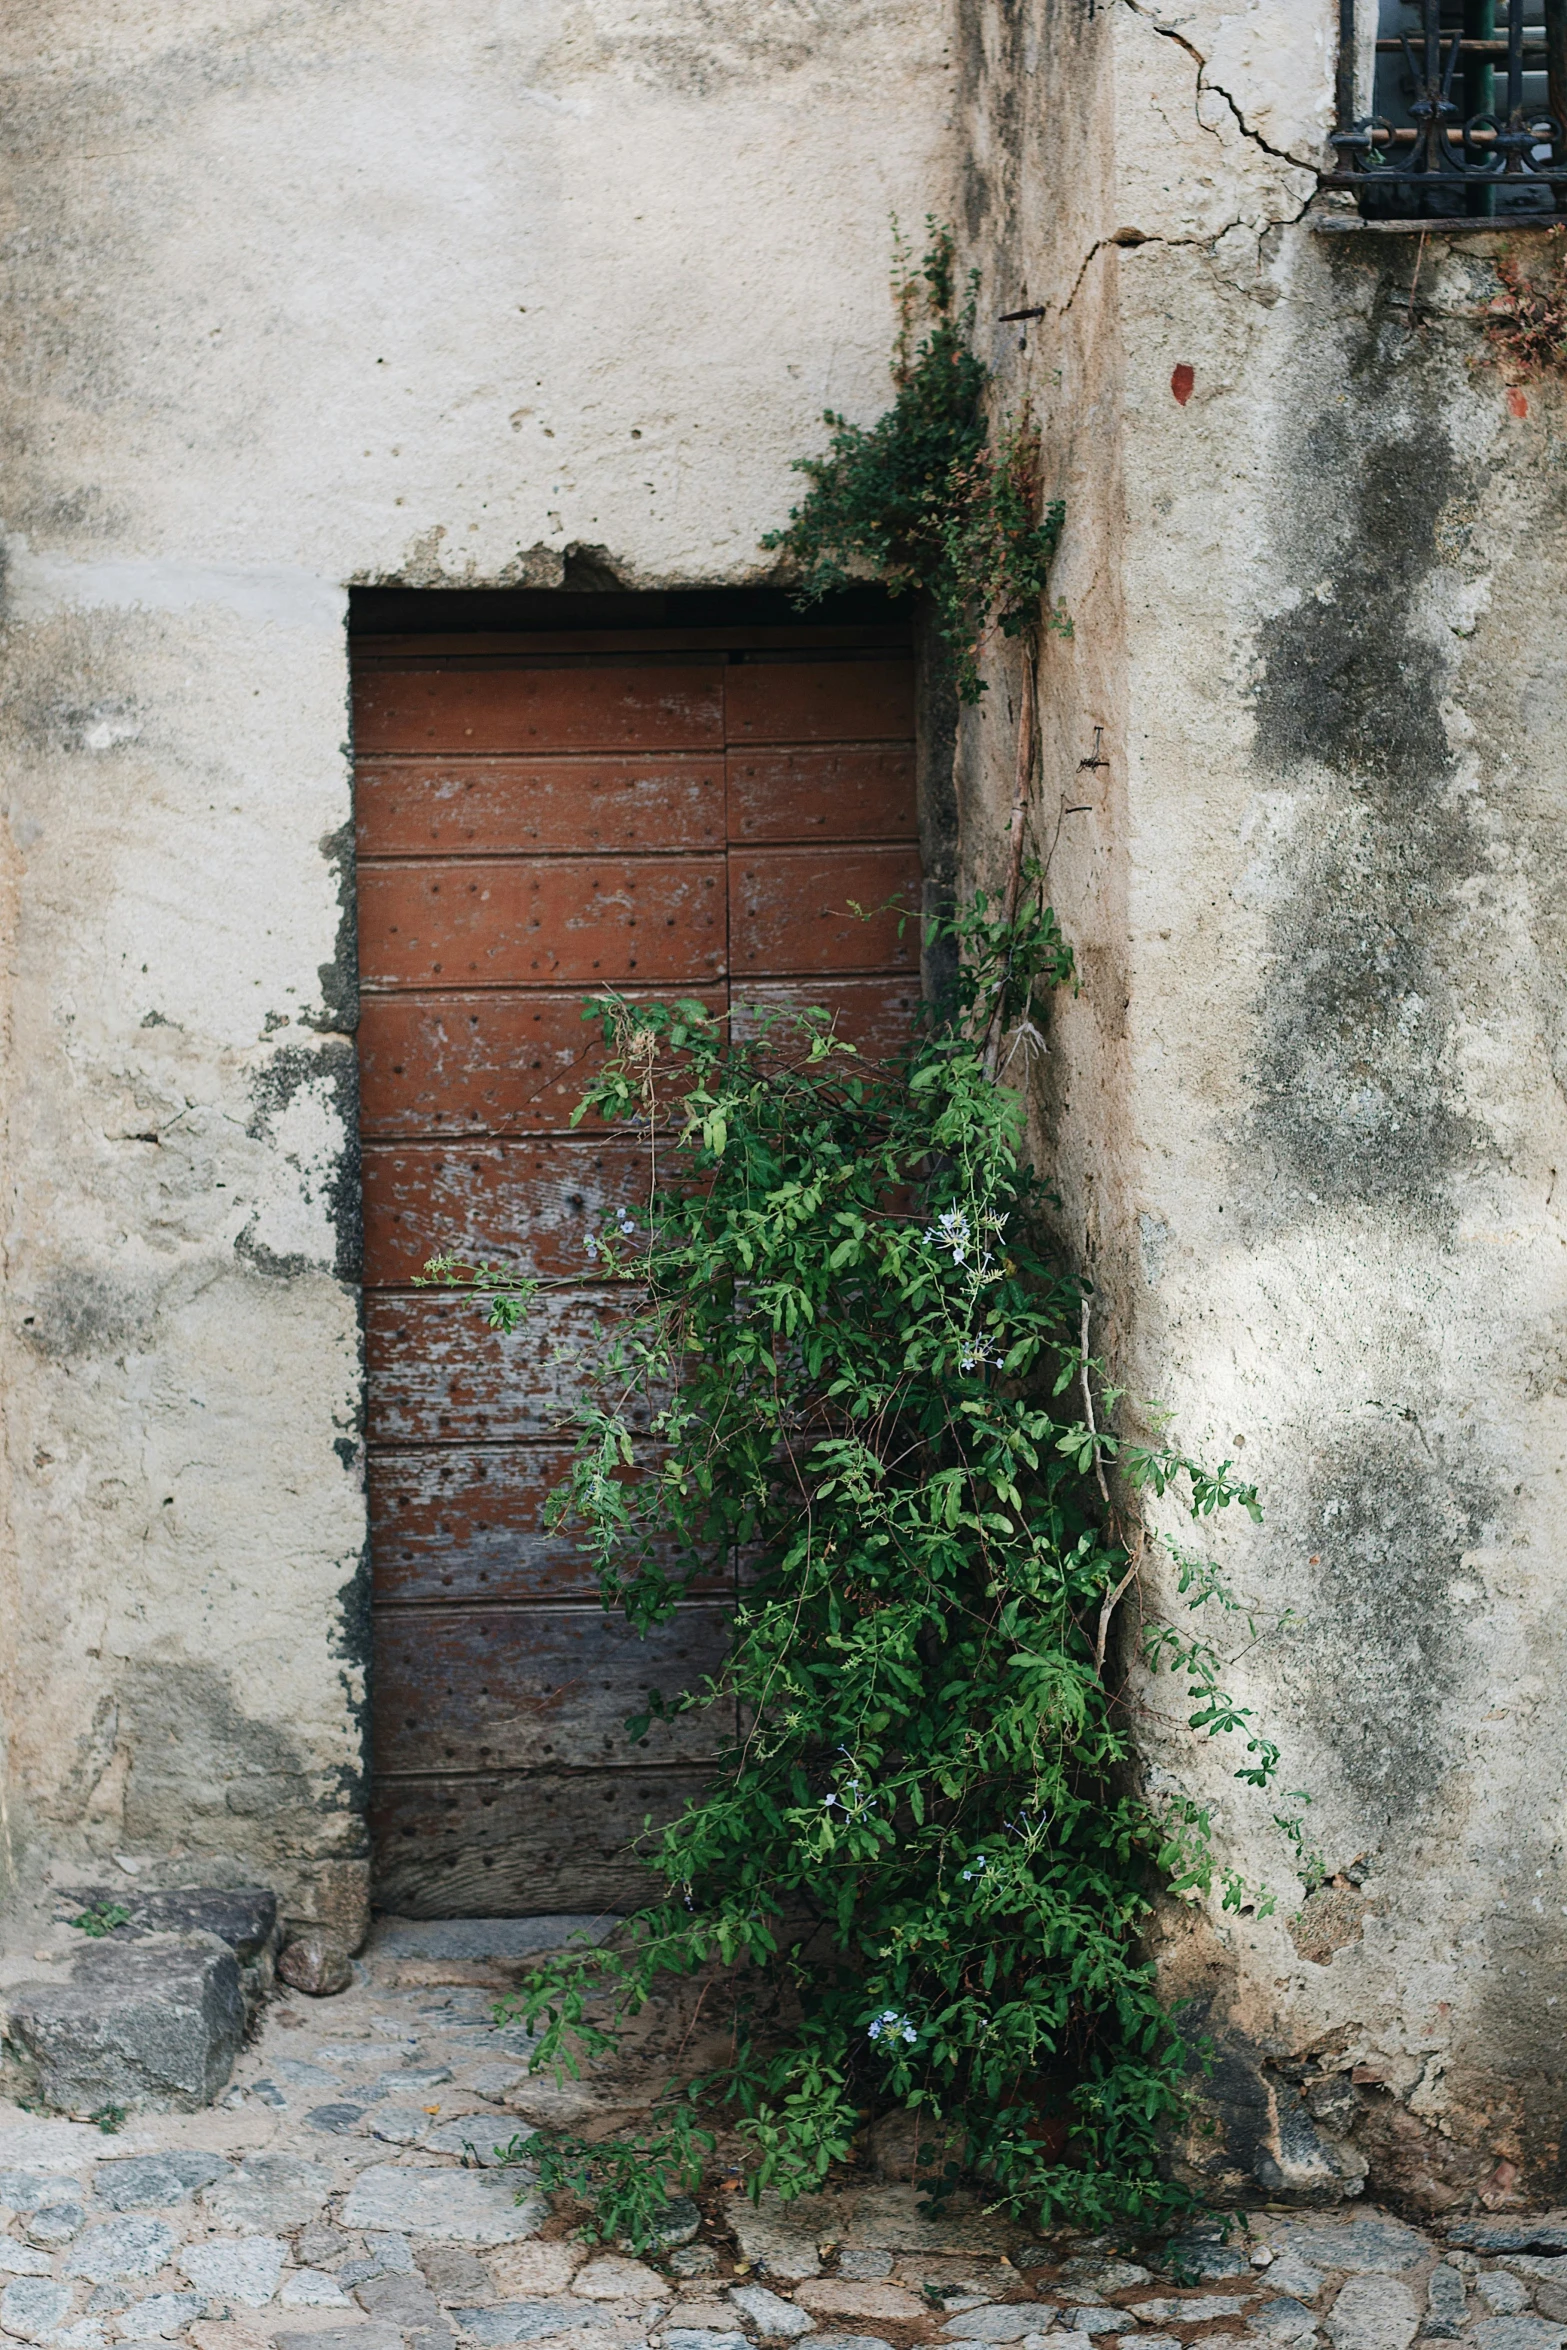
[(1340, 224)]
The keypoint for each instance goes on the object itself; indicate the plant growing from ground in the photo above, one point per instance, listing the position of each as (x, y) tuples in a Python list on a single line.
[(924, 499), (867, 1379), (101, 1918)]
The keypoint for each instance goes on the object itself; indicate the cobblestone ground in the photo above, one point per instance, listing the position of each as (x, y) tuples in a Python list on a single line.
[(343, 2196)]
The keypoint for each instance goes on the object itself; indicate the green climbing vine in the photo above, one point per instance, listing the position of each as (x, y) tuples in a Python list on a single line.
[(850, 1364), (851, 1369), (926, 499)]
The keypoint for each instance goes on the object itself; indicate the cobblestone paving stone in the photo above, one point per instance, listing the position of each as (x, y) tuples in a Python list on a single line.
[(343, 2195)]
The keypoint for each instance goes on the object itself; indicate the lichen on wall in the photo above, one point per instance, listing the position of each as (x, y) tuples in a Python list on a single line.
[(298, 299), (1304, 1118)]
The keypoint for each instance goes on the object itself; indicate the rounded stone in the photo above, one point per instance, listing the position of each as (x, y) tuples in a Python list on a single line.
[(55, 2224), (316, 1963)]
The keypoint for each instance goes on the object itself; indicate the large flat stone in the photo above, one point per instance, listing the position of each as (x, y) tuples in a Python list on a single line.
[(1371, 2244), (1518, 2333), (120, 2248), (155, 2182), (23, 2260), (1193, 2309), (33, 2307), (1290, 2274), (356, 2337), (48, 2145), (31, 2190), (1548, 2233), (521, 2321), (1446, 2296), (151, 2024), (1284, 2320), (609, 2279), (857, 2297), (236, 2268), (888, 2219), (770, 2313), (473, 2136), (268, 2193), (446, 2206), (313, 2288), (781, 2238), (1203, 2259), (160, 2317), (56, 2224), (1005, 2321), (1373, 2313), (1098, 2273)]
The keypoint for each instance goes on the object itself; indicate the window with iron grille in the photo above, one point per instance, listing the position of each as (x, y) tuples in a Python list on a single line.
[(1453, 108)]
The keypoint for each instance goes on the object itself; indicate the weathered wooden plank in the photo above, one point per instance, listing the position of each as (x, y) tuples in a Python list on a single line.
[(532, 1205), (522, 1846), (791, 910), (620, 706), (847, 791), (493, 1688), (876, 1016), (480, 1064), (409, 807), (466, 1523), (436, 1375), (594, 921), (819, 701)]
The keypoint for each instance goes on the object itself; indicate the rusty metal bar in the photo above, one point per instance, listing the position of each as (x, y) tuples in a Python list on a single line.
[(1442, 138), (1556, 95), (1347, 62)]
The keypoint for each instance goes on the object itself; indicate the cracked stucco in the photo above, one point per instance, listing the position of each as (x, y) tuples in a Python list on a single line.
[(346, 293), (301, 297), (1305, 1114)]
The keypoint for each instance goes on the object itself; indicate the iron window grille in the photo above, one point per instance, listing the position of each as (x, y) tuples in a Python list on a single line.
[(1468, 108)]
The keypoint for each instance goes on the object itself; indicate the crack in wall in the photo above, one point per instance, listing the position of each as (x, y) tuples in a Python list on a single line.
[(1168, 33), (1133, 240)]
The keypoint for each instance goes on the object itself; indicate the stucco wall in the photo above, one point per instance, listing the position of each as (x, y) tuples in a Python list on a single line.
[(302, 296), (1306, 1114), (322, 294)]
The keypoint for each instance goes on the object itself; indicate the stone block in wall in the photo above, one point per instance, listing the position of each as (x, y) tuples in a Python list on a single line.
[(154, 2024), (335, 1894)]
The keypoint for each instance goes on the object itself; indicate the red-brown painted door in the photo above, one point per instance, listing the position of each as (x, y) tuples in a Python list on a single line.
[(537, 819)]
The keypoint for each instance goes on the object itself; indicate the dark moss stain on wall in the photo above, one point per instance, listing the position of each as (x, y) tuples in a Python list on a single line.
[(339, 977), (1388, 1512), (1354, 1100), (272, 1087)]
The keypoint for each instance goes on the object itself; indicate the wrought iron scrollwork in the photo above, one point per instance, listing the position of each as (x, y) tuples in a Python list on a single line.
[(1470, 110)]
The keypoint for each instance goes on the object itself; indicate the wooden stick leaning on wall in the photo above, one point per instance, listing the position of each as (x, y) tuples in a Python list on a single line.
[(1026, 730)]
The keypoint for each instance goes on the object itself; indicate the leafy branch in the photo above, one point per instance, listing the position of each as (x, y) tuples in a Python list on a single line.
[(849, 1359), (924, 499)]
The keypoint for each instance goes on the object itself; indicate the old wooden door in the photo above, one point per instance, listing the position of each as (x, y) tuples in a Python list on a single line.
[(538, 817)]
